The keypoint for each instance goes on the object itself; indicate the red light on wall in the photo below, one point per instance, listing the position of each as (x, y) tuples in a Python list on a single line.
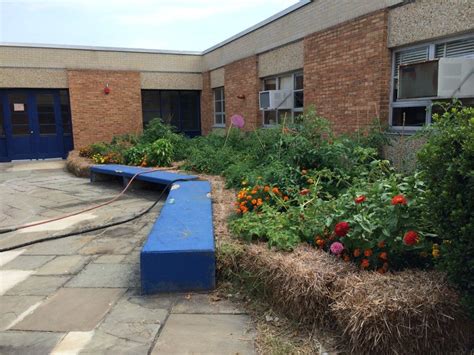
[(107, 89)]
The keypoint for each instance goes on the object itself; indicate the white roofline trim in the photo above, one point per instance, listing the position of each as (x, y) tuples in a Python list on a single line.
[(99, 48)]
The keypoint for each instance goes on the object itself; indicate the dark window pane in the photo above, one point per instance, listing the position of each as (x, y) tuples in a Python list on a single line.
[(20, 130), (218, 94), (284, 116), (46, 116), (189, 111), (418, 80), (269, 117), (170, 109), (48, 129), (414, 116), (151, 100), (220, 118), (65, 111), (298, 81), (19, 114), (269, 84), (148, 116), (2, 129), (218, 106), (299, 99)]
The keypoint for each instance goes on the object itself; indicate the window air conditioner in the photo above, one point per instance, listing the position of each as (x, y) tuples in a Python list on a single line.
[(275, 99), (456, 77)]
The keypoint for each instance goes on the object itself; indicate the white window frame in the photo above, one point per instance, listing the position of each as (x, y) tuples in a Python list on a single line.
[(418, 102), (222, 101), (293, 109)]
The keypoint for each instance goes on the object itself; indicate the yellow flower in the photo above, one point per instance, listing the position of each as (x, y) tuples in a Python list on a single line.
[(436, 253)]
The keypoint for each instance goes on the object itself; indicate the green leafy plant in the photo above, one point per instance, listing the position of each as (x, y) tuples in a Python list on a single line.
[(447, 163)]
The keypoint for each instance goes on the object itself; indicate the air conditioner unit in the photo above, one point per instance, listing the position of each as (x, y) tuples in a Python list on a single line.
[(456, 77), (275, 99)]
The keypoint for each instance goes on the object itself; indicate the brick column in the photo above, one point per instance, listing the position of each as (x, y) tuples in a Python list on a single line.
[(98, 117), (207, 111), (347, 72), (241, 91)]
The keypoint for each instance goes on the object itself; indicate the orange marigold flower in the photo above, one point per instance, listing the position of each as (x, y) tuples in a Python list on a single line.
[(356, 252), (383, 256), (285, 198), (275, 190), (368, 252), (254, 202), (381, 244), (249, 198), (304, 192), (364, 263), (259, 202), (399, 200), (266, 188), (320, 242), (254, 192), (267, 198)]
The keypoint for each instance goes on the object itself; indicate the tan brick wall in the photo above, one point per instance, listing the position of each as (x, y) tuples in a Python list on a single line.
[(429, 19), (33, 78), (241, 79), (347, 72), (217, 78), (171, 81), (58, 58), (207, 112), (281, 60), (98, 117)]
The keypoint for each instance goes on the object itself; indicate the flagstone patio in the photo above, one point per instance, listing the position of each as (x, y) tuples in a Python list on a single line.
[(81, 294)]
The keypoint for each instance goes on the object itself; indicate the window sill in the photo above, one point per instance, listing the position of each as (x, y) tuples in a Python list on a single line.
[(399, 131), (218, 126)]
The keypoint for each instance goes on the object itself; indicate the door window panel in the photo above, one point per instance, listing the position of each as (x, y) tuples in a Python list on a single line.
[(46, 116), (19, 114), (2, 129), (189, 113), (65, 112)]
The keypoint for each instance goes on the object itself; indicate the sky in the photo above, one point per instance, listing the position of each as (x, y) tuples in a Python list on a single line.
[(192, 25)]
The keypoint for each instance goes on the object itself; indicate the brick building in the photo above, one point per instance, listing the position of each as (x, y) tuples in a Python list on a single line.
[(341, 56)]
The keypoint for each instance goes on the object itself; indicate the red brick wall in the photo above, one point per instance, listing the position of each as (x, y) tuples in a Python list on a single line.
[(241, 79), (98, 117), (347, 72), (207, 111)]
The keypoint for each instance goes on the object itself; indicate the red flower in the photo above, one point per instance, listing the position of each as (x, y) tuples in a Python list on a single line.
[(399, 200), (360, 199), (341, 229), (304, 192), (410, 238)]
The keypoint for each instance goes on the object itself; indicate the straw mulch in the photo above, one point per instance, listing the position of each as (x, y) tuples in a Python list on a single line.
[(77, 165), (300, 283), (400, 313)]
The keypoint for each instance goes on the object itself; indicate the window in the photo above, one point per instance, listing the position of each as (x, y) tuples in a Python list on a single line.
[(412, 110), (219, 107), (292, 82), (179, 108)]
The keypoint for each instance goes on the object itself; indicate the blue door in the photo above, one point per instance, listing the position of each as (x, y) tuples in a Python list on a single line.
[(36, 124)]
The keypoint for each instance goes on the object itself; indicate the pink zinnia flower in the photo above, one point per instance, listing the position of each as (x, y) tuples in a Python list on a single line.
[(336, 248)]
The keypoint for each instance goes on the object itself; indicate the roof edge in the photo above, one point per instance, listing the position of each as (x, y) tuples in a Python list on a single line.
[(261, 24), (99, 48)]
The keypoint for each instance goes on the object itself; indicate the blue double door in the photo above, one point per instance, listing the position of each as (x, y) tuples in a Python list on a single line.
[(34, 124)]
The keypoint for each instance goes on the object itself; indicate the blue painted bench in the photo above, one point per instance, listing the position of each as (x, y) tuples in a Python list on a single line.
[(179, 254), (99, 172)]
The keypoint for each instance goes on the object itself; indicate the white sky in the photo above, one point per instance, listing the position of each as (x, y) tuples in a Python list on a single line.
[(192, 25)]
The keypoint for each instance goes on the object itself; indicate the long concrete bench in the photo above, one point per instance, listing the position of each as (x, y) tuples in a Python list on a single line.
[(104, 172), (179, 254)]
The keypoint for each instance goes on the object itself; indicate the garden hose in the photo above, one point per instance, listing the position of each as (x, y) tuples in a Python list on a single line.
[(94, 228)]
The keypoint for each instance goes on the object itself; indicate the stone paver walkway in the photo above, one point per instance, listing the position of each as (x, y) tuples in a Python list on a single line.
[(81, 294)]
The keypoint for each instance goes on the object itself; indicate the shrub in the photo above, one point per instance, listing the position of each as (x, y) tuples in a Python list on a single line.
[(447, 163), (159, 153)]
